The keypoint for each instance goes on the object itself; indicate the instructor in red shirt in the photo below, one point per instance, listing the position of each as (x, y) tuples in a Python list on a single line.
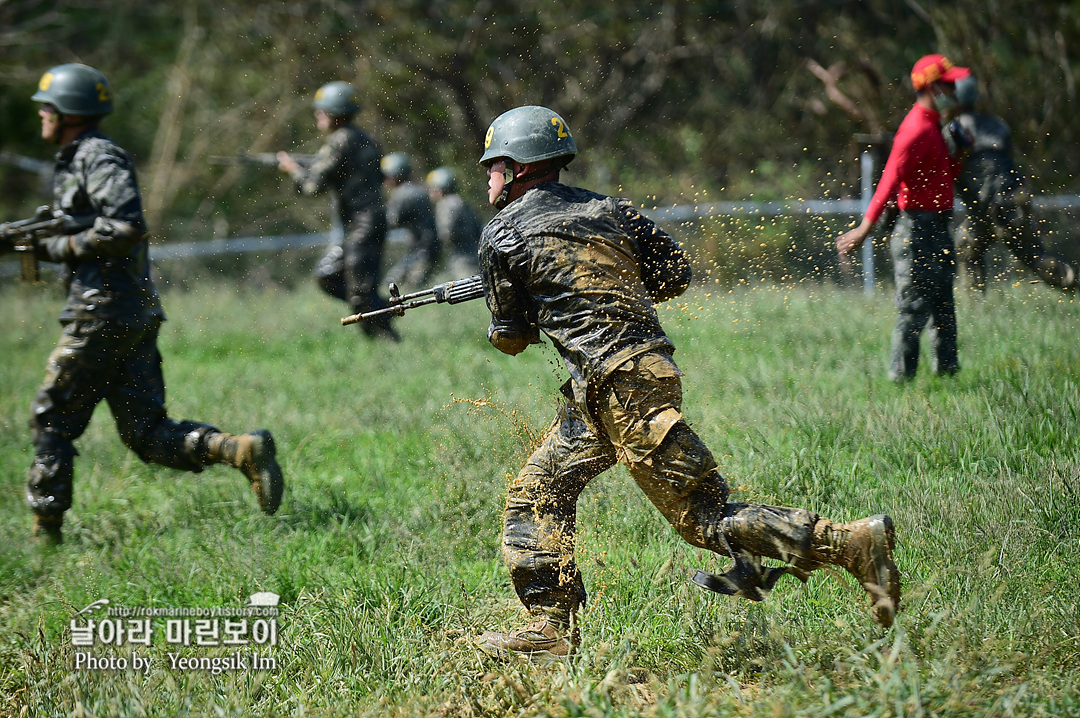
[(919, 176)]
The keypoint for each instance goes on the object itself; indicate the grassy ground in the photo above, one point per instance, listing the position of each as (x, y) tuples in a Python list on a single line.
[(386, 548)]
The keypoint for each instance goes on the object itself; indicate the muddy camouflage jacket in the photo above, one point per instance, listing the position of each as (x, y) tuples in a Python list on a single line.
[(348, 163), (409, 207), (108, 271), (586, 270), (459, 230), (989, 176)]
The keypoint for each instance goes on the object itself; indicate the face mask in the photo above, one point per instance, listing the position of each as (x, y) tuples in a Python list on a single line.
[(943, 101)]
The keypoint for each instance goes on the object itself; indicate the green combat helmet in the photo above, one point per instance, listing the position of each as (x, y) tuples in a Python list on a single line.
[(527, 134), (967, 91), (75, 89), (442, 179), (339, 99), (396, 166)]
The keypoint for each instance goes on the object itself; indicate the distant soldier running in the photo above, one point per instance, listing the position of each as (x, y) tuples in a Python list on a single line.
[(919, 176), (348, 164), (409, 207), (108, 348), (585, 270), (997, 198), (456, 223)]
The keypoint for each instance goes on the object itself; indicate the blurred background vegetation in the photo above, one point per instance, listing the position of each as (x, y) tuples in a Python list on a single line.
[(671, 102)]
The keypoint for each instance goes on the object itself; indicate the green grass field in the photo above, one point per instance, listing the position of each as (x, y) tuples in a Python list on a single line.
[(386, 549)]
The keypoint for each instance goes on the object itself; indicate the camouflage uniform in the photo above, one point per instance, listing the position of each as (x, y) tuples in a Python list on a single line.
[(348, 163), (996, 196), (108, 348), (409, 207), (458, 232), (924, 267), (586, 269)]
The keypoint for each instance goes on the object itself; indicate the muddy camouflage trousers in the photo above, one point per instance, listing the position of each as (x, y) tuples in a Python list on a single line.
[(634, 418), (1019, 233), (350, 271), (120, 364), (924, 266)]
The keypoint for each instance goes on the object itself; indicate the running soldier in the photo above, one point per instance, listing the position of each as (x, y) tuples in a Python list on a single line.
[(348, 164), (457, 226), (919, 176), (997, 197), (408, 207), (585, 270), (108, 347)]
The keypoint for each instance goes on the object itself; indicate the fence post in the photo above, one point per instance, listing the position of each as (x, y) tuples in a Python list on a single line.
[(866, 165)]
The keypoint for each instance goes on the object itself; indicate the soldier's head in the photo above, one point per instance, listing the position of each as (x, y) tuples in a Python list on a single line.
[(396, 168), (524, 147), (73, 98), (967, 92), (441, 181), (335, 103), (934, 79)]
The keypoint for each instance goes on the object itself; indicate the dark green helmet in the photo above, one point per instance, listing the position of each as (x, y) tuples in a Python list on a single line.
[(75, 89), (528, 134), (396, 165), (339, 99), (443, 179), (967, 91)]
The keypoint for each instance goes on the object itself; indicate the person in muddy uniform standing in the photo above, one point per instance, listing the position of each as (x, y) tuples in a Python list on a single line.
[(455, 222), (408, 207), (348, 164), (108, 347), (997, 197), (585, 270)]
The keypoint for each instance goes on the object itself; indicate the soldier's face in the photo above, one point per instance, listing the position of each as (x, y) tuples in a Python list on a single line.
[(322, 120), (496, 180), (50, 123)]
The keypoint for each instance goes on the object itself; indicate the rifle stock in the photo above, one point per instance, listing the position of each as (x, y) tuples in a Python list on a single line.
[(453, 292)]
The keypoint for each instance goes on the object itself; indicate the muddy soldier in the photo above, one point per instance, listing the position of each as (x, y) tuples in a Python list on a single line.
[(919, 176), (456, 224), (108, 347), (348, 165), (997, 197), (586, 270), (409, 207)]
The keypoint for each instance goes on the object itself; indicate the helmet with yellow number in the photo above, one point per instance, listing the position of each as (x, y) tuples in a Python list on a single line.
[(75, 89)]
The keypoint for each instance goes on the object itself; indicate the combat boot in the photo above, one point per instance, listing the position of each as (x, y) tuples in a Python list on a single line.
[(252, 453), (47, 529), (545, 637), (865, 549)]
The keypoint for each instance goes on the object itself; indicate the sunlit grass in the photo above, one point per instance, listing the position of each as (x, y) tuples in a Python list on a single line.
[(386, 548)]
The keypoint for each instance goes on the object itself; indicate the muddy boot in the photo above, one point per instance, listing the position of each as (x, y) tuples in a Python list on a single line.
[(865, 549), (253, 454), (545, 637), (47, 529)]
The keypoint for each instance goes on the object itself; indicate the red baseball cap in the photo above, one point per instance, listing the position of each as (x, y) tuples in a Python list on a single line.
[(935, 68)]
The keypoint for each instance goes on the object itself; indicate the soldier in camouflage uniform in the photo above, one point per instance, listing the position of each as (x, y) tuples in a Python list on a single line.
[(108, 348), (408, 207), (997, 197), (456, 224), (585, 270), (348, 164)]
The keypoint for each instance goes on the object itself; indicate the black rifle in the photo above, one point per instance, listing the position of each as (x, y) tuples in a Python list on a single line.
[(453, 292), (263, 159), (46, 222)]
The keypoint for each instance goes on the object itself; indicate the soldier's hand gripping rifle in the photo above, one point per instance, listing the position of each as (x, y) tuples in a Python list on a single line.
[(452, 292), (22, 235)]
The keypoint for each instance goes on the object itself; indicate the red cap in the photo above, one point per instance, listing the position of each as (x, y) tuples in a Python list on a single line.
[(935, 68)]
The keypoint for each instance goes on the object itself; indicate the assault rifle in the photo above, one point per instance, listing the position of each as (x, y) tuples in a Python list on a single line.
[(263, 159), (452, 292), (46, 222)]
